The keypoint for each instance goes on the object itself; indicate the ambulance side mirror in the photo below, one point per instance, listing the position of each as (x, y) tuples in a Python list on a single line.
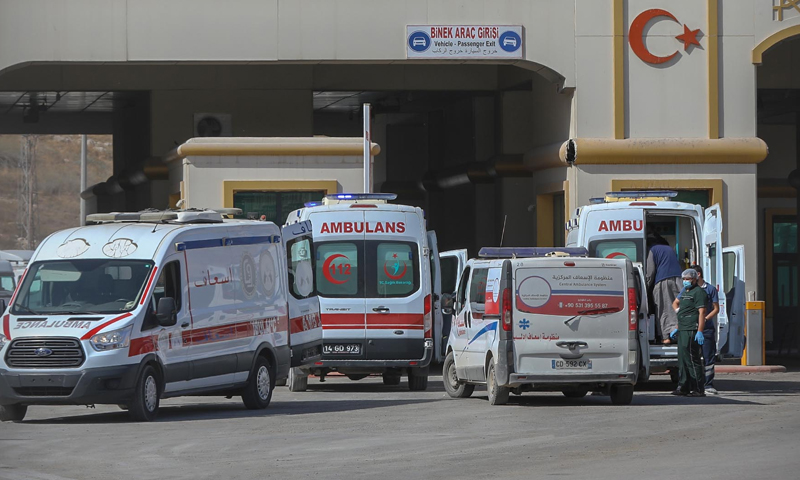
[(165, 312), (448, 302)]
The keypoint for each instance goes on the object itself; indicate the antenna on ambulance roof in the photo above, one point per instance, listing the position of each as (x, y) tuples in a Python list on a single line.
[(503, 233)]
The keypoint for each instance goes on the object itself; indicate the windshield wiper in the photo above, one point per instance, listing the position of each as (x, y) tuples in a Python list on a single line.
[(593, 311), (26, 309)]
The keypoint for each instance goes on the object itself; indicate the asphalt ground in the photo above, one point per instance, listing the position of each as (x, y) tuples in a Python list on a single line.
[(345, 429)]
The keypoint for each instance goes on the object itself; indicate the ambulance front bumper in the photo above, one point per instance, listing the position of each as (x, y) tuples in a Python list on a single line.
[(105, 385), (379, 364)]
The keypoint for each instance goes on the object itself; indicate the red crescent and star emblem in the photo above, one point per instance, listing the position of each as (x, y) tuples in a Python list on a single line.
[(636, 36), (396, 266), (326, 269)]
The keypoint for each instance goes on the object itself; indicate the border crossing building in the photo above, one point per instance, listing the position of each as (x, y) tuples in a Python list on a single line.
[(487, 114)]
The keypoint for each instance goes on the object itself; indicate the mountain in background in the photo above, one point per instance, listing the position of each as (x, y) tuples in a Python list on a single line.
[(58, 180)]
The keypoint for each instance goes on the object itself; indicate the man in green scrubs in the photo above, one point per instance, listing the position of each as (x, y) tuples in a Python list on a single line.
[(691, 320)]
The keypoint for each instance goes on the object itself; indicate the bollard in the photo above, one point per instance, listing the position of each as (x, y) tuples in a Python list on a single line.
[(754, 351)]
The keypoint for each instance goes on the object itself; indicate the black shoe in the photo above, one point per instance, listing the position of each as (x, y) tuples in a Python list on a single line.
[(697, 394), (679, 392)]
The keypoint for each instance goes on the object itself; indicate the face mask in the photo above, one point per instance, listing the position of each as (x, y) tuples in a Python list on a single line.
[(687, 283)]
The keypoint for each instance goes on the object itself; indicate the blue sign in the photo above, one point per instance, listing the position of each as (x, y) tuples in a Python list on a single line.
[(419, 41), (524, 324), (510, 41)]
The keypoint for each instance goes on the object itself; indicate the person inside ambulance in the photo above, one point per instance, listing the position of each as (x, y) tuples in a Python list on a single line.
[(689, 334), (663, 277), (709, 330)]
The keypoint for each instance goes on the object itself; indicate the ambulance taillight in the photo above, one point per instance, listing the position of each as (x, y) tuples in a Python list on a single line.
[(632, 309), (427, 319), (506, 310)]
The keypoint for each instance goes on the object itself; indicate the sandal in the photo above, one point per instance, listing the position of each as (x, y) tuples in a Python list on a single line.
[(667, 342)]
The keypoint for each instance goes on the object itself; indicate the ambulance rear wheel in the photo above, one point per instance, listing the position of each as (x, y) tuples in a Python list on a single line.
[(143, 407), (298, 381), (391, 379), (417, 379), (621, 394), (497, 395), (450, 379), (13, 413), (258, 392)]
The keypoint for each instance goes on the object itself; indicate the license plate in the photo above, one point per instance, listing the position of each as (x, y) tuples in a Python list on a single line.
[(341, 349), (572, 364)]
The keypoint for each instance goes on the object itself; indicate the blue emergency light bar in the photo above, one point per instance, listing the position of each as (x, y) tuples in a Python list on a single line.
[(643, 194), (312, 204), (519, 252), (362, 196)]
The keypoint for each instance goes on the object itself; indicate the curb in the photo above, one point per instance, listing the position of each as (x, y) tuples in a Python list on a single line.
[(749, 369)]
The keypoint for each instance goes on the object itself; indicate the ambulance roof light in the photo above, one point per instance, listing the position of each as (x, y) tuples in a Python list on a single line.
[(521, 252), (642, 194), (312, 204), (597, 200), (335, 198)]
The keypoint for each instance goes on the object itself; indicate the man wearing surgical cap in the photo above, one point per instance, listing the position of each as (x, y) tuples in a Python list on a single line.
[(691, 321)]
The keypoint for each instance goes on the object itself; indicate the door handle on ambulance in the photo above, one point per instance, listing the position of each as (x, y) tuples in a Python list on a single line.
[(381, 309), (572, 345), (184, 324)]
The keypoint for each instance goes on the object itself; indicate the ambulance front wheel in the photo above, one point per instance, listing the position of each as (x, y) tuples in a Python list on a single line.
[(450, 379), (258, 392), (417, 379), (298, 380), (13, 413), (497, 395), (143, 407)]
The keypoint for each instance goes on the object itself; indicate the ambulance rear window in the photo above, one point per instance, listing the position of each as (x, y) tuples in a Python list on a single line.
[(337, 273), (617, 248), (395, 269)]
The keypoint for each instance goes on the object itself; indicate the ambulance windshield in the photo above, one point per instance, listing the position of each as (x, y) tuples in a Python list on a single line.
[(86, 286)]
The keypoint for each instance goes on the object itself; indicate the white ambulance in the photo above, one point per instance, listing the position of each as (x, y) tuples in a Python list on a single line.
[(616, 226), (543, 319), (375, 267), (151, 305)]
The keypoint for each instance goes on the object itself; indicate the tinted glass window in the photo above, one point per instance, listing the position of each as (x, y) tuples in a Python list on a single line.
[(275, 206), (462, 289), (477, 288), (449, 266), (301, 269), (632, 248), (7, 283), (337, 269), (395, 269)]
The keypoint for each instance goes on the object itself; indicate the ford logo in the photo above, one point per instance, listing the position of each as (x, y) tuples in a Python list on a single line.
[(43, 352)]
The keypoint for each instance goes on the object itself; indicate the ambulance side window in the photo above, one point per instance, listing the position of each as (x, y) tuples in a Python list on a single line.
[(461, 298), (477, 289), (301, 268), (167, 285)]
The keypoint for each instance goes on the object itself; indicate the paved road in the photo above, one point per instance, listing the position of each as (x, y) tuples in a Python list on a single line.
[(343, 429)]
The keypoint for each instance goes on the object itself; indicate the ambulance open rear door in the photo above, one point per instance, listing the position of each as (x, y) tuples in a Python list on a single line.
[(736, 298), (436, 295), (713, 269)]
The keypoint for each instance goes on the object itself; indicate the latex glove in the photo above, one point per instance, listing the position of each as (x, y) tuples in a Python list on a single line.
[(698, 337), (673, 334)]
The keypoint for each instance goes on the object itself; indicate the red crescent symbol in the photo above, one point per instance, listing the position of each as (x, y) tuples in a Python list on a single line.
[(326, 269), (395, 277), (616, 254), (637, 41)]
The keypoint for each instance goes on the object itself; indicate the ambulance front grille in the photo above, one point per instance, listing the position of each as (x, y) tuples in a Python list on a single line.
[(45, 353)]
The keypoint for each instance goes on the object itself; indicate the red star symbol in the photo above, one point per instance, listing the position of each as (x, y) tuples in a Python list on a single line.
[(394, 256), (689, 37)]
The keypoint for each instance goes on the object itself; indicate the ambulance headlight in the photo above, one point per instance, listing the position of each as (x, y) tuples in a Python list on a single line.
[(3, 340), (112, 340)]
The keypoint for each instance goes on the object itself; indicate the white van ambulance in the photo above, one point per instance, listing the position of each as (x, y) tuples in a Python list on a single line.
[(616, 226), (150, 305), (375, 268), (544, 319)]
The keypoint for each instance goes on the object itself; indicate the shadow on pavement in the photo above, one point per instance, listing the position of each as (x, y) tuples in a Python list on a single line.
[(361, 386), (216, 411)]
